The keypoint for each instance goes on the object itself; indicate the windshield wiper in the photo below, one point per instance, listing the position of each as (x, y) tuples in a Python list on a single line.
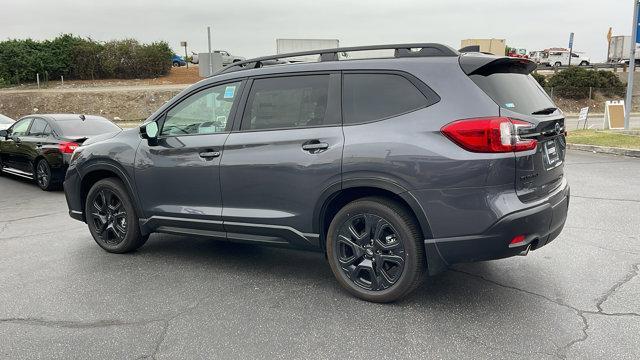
[(545, 111)]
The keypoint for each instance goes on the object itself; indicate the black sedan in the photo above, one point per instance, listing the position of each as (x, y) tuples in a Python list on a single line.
[(39, 147)]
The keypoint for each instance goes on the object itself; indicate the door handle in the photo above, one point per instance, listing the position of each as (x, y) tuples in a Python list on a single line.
[(315, 146), (209, 154)]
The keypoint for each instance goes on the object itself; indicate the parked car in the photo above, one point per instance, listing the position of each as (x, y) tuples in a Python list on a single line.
[(227, 58), (5, 122), (39, 146), (393, 167), (178, 61)]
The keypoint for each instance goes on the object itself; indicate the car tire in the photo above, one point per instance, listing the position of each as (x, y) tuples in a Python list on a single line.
[(43, 175), (383, 264), (584, 63), (112, 218), (176, 64), (557, 64)]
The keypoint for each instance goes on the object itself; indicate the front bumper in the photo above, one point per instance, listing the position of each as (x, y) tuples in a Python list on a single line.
[(540, 224), (72, 193)]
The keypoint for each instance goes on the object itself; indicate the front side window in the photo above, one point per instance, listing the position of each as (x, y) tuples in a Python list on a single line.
[(205, 112), (370, 97), (39, 128), (288, 102), (21, 127)]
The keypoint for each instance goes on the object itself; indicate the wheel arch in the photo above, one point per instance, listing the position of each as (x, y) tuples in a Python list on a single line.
[(336, 197), (103, 170)]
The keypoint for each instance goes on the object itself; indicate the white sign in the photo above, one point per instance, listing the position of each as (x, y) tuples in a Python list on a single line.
[(584, 115)]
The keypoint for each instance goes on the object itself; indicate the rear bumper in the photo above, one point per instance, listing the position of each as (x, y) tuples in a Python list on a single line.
[(540, 224)]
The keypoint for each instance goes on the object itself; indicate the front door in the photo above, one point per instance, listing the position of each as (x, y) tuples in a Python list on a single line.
[(13, 152), (178, 177), (287, 151)]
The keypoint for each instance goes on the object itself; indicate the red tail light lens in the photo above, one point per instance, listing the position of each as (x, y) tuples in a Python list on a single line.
[(489, 135), (518, 239), (67, 147)]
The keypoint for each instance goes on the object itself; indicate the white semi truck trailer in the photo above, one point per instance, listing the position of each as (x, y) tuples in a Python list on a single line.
[(284, 46)]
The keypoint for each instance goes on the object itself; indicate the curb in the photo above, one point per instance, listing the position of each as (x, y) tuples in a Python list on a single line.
[(605, 150)]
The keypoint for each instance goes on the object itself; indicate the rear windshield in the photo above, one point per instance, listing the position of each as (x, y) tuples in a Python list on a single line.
[(516, 92), (86, 128)]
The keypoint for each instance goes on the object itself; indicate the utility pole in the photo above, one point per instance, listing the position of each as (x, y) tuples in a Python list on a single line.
[(632, 66), (609, 45), (186, 55), (210, 53), (570, 47)]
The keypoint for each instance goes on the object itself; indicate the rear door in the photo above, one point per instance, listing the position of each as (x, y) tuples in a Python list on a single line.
[(285, 154)]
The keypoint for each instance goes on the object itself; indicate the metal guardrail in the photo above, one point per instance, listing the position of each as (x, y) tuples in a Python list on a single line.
[(590, 66)]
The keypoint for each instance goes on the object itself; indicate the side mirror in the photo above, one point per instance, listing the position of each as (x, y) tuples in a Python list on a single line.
[(4, 134), (149, 131)]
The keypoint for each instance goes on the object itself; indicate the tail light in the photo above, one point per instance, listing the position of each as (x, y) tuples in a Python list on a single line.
[(67, 147), (489, 135)]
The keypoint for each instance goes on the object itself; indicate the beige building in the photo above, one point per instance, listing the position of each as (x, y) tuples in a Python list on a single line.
[(493, 46)]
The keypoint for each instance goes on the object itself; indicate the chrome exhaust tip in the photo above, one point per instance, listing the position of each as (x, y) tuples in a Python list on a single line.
[(525, 251)]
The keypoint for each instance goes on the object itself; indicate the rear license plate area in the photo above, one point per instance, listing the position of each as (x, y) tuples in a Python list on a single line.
[(551, 154)]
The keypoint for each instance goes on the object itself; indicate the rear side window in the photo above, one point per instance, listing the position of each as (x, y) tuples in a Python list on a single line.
[(370, 97), (290, 102), (86, 128), (516, 92)]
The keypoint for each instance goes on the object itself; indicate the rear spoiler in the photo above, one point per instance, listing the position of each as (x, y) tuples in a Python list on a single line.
[(476, 64)]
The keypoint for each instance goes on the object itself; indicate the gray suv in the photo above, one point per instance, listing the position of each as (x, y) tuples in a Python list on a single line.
[(394, 167)]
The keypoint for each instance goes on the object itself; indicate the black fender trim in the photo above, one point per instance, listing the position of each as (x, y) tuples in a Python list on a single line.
[(435, 263), (106, 165)]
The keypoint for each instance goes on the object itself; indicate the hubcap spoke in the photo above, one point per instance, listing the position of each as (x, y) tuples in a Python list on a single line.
[(347, 259)]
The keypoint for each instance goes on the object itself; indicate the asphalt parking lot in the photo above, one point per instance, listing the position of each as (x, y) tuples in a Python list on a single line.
[(61, 296)]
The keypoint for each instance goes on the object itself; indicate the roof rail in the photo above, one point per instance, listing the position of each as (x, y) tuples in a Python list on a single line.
[(400, 50)]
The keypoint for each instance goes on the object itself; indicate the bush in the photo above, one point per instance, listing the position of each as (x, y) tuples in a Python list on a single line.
[(541, 79), (78, 58), (574, 83)]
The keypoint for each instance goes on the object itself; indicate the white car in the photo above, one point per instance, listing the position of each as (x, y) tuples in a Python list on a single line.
[(5, 122), (561, 58), (227, 58)]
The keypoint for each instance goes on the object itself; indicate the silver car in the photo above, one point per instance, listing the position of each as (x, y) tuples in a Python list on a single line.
[(5, 122)]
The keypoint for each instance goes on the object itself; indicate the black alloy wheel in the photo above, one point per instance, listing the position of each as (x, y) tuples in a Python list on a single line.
[(111, 217), (370, 251), (375, 249), (43, 175), (108, 216)]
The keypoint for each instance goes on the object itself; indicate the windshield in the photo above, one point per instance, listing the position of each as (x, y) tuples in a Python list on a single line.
[(86, 128), (5, 120), (516, 92)]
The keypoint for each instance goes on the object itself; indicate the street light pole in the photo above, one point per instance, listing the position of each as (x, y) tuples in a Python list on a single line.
[(632, 66)]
